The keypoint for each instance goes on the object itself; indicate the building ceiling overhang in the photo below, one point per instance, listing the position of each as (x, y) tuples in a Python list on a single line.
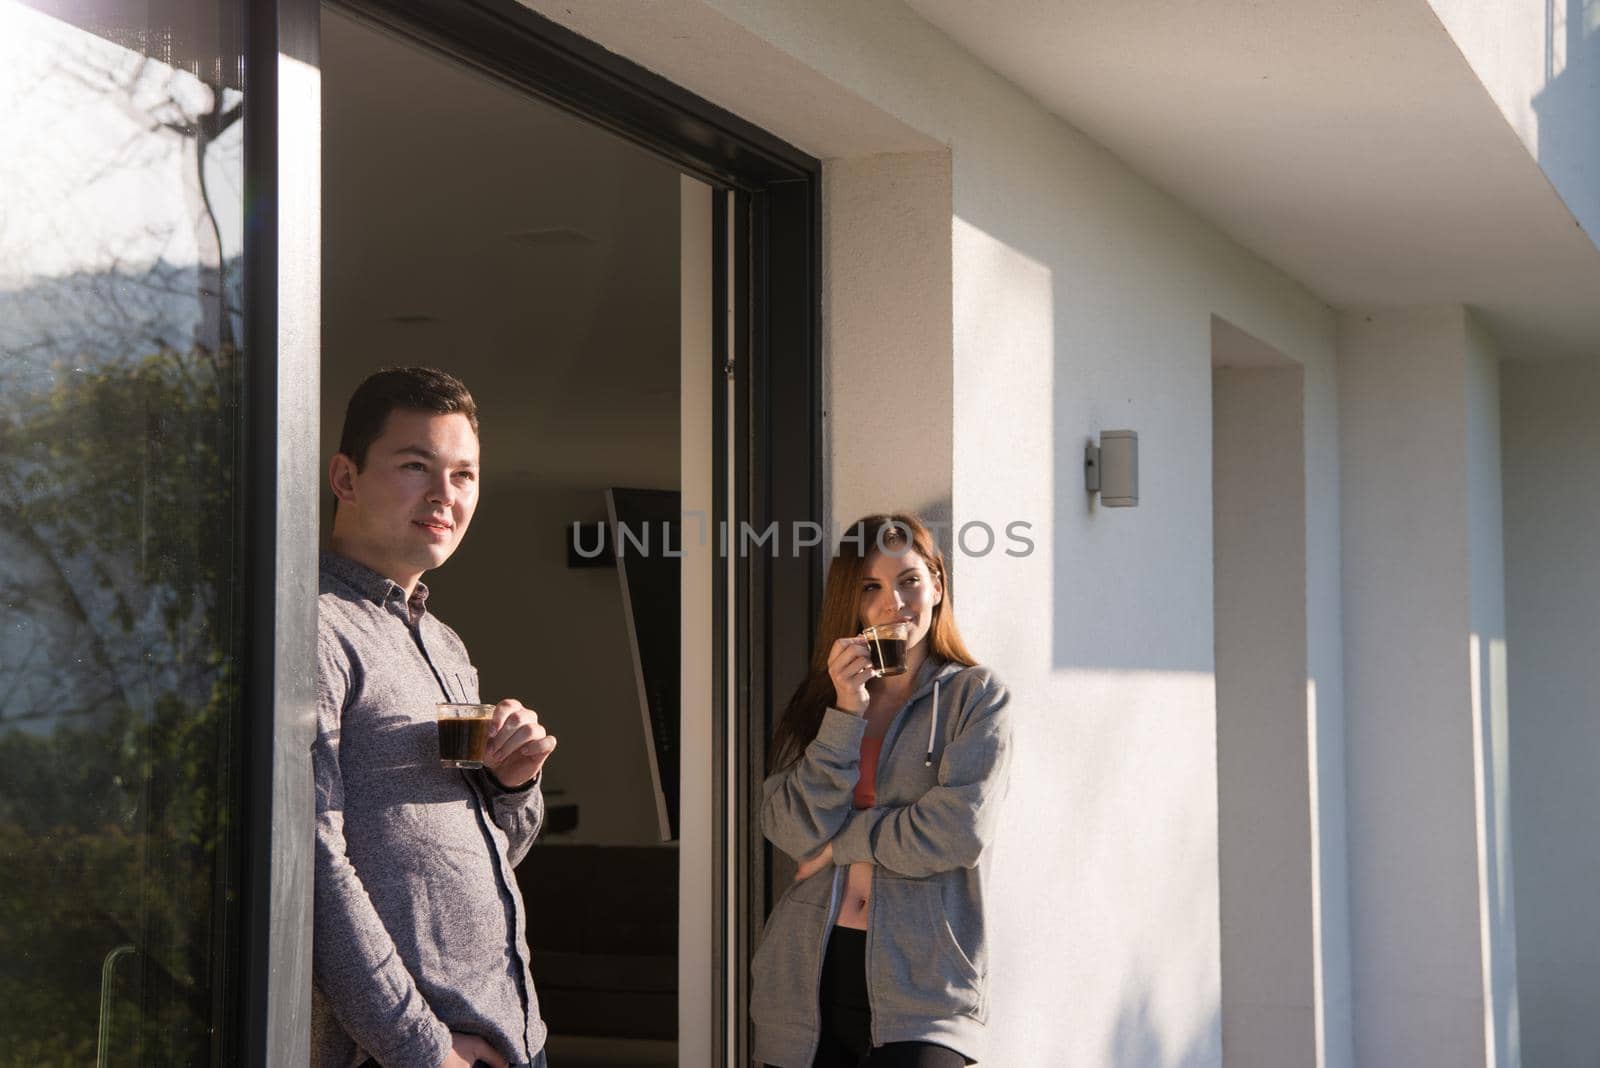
[(1349, 143)]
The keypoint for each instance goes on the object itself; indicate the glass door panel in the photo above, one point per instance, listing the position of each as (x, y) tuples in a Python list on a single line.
[(121, 204)]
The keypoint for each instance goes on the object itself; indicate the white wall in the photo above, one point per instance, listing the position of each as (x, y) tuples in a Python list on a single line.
[(1083, 303), (1433, 960), (1552, 524), (1081, 299), (1540, 62), (1265, 800)]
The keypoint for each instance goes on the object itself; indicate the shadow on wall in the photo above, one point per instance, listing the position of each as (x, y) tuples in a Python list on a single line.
[(1569, 135), (933, 511), (1138, 1040)]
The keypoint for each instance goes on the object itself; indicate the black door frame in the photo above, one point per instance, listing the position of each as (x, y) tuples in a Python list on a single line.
[(768, 195)]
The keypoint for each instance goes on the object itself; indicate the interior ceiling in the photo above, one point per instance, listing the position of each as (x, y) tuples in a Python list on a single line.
[(1349, 143), (470, 226)]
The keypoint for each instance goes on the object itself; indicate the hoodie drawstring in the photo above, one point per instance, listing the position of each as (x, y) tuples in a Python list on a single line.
[(933, 725)]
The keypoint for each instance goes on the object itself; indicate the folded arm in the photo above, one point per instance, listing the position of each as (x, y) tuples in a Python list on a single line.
[(804, 805), (949, 826)]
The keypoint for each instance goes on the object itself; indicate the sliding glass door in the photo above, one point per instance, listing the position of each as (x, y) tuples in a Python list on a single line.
[(158, 227), (121, 381)]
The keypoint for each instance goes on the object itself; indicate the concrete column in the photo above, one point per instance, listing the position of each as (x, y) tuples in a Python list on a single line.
[(1432, 936)]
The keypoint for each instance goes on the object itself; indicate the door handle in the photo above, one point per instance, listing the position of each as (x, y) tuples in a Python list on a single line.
[(107, 967)]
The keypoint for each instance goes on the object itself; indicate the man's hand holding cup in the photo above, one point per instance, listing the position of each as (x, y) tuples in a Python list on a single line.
[(518, 745)]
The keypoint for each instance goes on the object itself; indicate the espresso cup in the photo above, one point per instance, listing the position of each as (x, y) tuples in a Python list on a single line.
[(463, 733), (886, 645)]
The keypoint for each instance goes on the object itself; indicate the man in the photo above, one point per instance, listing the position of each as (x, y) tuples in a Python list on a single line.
[(420, 959)]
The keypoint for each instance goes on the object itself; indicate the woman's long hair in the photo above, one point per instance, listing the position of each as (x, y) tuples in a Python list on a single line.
[(841, 618)]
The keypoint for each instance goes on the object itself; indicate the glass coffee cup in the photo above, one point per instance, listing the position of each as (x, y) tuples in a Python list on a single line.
[(463, 733), (886, 645)]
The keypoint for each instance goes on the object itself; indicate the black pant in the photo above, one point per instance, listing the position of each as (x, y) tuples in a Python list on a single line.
[(846, 1040)]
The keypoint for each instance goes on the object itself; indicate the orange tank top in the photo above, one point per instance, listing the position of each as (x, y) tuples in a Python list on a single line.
[(867, 784), (858, 879)]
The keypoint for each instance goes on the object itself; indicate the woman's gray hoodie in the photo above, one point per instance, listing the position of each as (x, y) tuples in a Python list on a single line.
[(941, 776)]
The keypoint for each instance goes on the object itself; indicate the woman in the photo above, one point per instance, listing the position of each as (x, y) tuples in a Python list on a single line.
[(885, 791)]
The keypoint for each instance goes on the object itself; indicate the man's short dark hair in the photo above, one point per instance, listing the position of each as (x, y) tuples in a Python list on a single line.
[(419, 389)]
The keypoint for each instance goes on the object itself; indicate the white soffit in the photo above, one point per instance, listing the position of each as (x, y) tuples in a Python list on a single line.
[(1349, 143)]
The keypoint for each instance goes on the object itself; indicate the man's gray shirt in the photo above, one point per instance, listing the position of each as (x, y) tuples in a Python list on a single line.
[(418, 924)]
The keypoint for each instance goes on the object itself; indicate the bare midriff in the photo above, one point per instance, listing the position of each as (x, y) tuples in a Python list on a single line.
[(856, 901)]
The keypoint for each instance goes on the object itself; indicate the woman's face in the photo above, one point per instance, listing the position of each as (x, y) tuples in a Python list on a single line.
[(897, 587)]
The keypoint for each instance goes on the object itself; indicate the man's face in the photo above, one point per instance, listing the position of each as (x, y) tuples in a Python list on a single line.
[(408, 507)]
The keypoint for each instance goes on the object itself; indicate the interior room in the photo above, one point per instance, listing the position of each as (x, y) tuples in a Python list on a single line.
[(470, 226)]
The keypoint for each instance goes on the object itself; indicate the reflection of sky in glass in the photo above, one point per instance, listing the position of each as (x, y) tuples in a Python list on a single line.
[(111, 253), (87, 186)]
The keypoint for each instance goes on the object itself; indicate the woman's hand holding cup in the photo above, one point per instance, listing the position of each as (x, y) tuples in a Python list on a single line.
[(850, 668)]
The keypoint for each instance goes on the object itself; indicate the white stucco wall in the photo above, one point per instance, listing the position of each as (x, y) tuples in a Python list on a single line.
[(1552, 522), (1540, 62), (1433, 953), (1080, 300)]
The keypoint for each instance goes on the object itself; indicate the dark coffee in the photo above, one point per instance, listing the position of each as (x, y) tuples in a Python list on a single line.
[(462, 741), (888, 655)]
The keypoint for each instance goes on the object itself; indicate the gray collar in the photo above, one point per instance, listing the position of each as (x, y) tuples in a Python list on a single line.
[(372, 586)]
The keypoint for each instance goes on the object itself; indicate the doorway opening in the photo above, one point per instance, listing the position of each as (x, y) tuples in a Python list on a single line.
[(637, 325), (472, 227), (1266, 759)]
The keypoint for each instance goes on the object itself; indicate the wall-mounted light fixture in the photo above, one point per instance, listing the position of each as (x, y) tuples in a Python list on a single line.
[(1111, 468)]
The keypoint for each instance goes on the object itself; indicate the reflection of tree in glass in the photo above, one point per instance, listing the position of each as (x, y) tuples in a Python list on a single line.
[(112, 800), (118, 426)]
